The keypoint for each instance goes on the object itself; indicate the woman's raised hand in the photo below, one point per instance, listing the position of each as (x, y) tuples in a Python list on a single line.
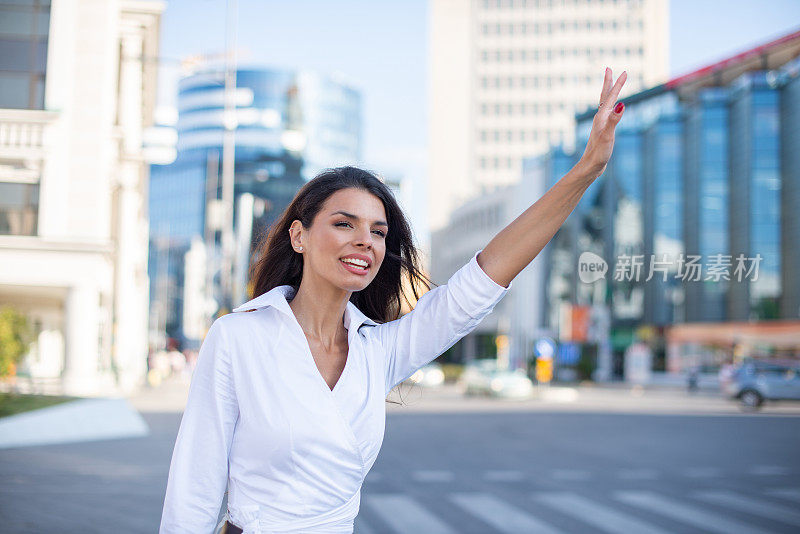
[(601, 139)]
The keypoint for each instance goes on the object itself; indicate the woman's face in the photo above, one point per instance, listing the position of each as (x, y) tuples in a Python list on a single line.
[(349, 230)]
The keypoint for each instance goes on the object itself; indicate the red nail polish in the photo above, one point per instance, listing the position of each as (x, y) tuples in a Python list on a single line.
[(619, 107)]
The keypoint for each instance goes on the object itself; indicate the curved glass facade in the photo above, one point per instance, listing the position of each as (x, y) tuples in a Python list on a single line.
[(701, 193), (289, 126)]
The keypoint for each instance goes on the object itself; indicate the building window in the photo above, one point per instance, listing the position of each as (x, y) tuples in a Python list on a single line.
[(19, 208), (24, 29)]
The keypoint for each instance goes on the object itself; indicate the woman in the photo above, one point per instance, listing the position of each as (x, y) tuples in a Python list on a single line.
[(286, 404)]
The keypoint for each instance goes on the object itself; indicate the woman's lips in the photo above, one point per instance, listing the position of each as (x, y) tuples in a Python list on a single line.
[(353, 268)]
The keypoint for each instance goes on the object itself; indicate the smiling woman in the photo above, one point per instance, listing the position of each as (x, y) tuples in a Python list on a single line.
[(287, 404)]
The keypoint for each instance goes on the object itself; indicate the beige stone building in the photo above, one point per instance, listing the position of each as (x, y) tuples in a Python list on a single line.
[(73, 186), (508, 76)]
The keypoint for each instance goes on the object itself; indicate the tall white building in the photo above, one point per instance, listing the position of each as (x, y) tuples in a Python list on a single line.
[(508, 76), (77, 90)]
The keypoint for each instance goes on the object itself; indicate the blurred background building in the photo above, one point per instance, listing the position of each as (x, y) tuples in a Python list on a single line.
[(704, 166), (77, 88), (507, 78), (289, 125)]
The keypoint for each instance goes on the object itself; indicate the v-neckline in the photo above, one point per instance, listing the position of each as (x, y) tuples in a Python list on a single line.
[(310, 355)]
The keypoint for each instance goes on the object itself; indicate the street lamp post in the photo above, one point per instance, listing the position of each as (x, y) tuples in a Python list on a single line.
[(228, 154)]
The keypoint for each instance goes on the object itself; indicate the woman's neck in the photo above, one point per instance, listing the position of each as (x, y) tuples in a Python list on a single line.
[(319, 308)]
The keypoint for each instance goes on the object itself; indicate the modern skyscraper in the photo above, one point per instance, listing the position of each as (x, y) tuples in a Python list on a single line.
[(508, 76), (289, 126)]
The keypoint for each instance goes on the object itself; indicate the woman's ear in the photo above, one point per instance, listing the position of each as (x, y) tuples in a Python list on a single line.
[(295, 235)]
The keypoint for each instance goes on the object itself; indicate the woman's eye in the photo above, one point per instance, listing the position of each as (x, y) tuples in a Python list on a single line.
[(380, 233), (341, 223)]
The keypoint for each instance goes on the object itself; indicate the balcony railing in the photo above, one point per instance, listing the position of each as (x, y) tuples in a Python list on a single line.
[(23, 133)]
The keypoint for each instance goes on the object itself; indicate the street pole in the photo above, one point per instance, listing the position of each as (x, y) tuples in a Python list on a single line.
[(228, 154)]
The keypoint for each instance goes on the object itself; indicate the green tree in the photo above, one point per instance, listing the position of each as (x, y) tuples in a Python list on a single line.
[(15, 337)]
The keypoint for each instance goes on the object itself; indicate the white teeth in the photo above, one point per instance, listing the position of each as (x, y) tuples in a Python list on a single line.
[(357, 263)]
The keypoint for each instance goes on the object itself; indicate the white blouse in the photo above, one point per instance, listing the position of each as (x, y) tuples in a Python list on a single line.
[(261, 419)]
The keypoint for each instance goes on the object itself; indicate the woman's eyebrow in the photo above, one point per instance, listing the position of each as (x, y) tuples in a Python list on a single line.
[(356, 217)]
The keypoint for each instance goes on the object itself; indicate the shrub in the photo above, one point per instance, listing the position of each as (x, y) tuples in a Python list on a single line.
[(15, 337)]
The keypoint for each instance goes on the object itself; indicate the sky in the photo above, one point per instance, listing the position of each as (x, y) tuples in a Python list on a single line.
[(381, 45)]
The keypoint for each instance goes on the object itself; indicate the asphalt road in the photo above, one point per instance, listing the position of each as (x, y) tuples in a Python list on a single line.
[(590, 460)]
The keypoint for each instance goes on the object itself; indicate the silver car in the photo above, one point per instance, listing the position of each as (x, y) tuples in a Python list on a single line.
[(484, 377), (757, 381)]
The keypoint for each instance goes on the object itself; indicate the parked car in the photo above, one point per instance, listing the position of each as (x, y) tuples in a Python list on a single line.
[(483, 377), (429, 375), (474, 380), (755, 382)]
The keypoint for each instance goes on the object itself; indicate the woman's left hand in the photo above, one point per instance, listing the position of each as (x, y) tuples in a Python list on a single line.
[(601, 139)]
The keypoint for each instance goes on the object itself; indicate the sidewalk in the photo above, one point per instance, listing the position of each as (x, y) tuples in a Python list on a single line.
[(168, 397)]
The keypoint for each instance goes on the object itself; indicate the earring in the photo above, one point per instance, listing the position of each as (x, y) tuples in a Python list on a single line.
[(299, 249)]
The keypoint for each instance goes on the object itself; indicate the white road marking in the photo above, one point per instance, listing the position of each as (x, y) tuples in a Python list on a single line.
[(404, 514), (751, 505), (502, 516), (599, 516), (685, 513)]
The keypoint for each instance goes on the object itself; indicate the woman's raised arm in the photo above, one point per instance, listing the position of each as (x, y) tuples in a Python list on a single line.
[(516, 245)]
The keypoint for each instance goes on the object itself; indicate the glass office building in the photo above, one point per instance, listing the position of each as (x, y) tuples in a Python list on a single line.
[(289, 126), (696, 212)]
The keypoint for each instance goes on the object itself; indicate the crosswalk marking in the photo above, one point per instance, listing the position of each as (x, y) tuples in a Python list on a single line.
[(502, 516), (432, 476), (504, 476), (792, 494), (403, 514), (599, 516), (685, 513), (751, 505)]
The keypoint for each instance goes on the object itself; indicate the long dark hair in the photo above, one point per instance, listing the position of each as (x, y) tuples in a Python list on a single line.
[(278, 263)]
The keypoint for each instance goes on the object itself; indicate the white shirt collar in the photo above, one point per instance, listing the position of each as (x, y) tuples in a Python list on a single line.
[(279, 297)]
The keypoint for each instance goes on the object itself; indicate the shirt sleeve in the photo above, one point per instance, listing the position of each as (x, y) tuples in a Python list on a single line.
[(441, 317), (198, 472)]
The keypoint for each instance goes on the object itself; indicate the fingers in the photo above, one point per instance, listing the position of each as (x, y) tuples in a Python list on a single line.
[(614, 93), (606, 85)]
